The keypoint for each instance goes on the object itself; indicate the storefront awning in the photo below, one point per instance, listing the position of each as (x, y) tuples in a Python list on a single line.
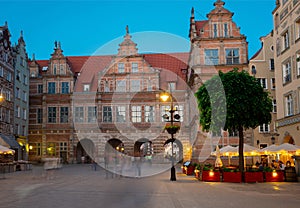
[(10, 140)]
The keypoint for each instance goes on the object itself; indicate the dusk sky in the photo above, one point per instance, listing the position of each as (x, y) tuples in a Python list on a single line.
[(84, 27)]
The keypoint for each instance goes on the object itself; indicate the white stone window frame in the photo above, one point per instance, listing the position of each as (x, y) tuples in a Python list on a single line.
[(136, 113), (288, 104), (286, 71)]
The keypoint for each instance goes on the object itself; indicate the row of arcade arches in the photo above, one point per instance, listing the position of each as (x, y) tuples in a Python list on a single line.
[(142, 148)]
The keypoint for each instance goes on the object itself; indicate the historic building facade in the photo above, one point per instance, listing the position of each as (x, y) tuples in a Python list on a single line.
[(21, 97), (262, 66), (286, 39), (84, 107), (216, 45), (7, 137)]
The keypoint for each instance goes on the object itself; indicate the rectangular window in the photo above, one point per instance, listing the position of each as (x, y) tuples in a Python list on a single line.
[(134, 68), (79, 114), (40, 88), (286, 72), (179, 111), (215, 30), (121, 86), (18, 76), (136, 114), (121, 114), (149, 114), (273, 84), (265, 128), (39, 115), (232, 56), (18, 111), (211, 56), (51, 149), (107, 114), (121, 68), (225, 30), (172, 86), (86, 88), (92, 114), (135, 86), (54, 69), (64, 114), (63, 146), (25, 80), (274, 106), (263, 82), (297, 29), (62, 71), (51, 114), (65, 87), (286, 40), (8, 76), (17, 129), (51, 87), (165, 113), (272, 64), (24, 116), (289, 105), (18, 93)]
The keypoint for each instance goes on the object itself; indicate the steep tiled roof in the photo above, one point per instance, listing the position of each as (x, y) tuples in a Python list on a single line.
[(87, 67)]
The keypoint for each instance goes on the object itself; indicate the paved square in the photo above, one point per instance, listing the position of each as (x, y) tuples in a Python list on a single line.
[(81, 186)]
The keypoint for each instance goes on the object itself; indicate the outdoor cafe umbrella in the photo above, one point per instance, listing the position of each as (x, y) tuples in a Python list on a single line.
[(249, 150), (5, 150)]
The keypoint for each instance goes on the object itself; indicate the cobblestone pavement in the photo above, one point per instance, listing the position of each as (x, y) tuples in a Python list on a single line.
[(81, 186)]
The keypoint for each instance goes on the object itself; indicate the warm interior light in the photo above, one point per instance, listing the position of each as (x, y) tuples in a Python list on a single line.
[(30, 147), (211, 173), (274, 174)]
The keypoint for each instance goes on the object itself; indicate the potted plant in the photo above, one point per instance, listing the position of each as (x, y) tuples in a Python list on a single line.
[(172, 129), (273, 175), (210, 174), (232, 175), (253, 176)]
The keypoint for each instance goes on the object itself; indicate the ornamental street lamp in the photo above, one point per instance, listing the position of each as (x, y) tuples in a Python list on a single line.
[(171, 129)]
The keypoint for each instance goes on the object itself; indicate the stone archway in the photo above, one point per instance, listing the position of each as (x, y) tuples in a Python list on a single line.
[(143, 148), (177, 150), (114, 149), (85, 151)]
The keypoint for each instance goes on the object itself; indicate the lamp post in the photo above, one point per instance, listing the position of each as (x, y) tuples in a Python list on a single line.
[(171, 131)]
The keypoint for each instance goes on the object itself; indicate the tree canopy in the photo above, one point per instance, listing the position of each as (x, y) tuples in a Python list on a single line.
[(233, 101)]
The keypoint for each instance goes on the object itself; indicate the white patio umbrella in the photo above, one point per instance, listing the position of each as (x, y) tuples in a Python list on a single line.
[(5, 150)]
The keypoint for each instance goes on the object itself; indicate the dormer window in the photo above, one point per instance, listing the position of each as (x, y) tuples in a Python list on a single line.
[(225, 30), (121, 68), (86, 87), (54, 69), (134, 67), (215, 28)]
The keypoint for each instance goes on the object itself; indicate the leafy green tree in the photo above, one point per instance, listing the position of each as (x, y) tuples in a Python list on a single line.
[(233, 101)]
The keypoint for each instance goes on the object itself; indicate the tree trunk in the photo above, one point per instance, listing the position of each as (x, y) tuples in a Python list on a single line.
[(241, 152)]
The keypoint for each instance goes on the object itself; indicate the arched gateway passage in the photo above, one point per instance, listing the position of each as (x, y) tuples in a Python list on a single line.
[(177, 150), (85, 151)]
